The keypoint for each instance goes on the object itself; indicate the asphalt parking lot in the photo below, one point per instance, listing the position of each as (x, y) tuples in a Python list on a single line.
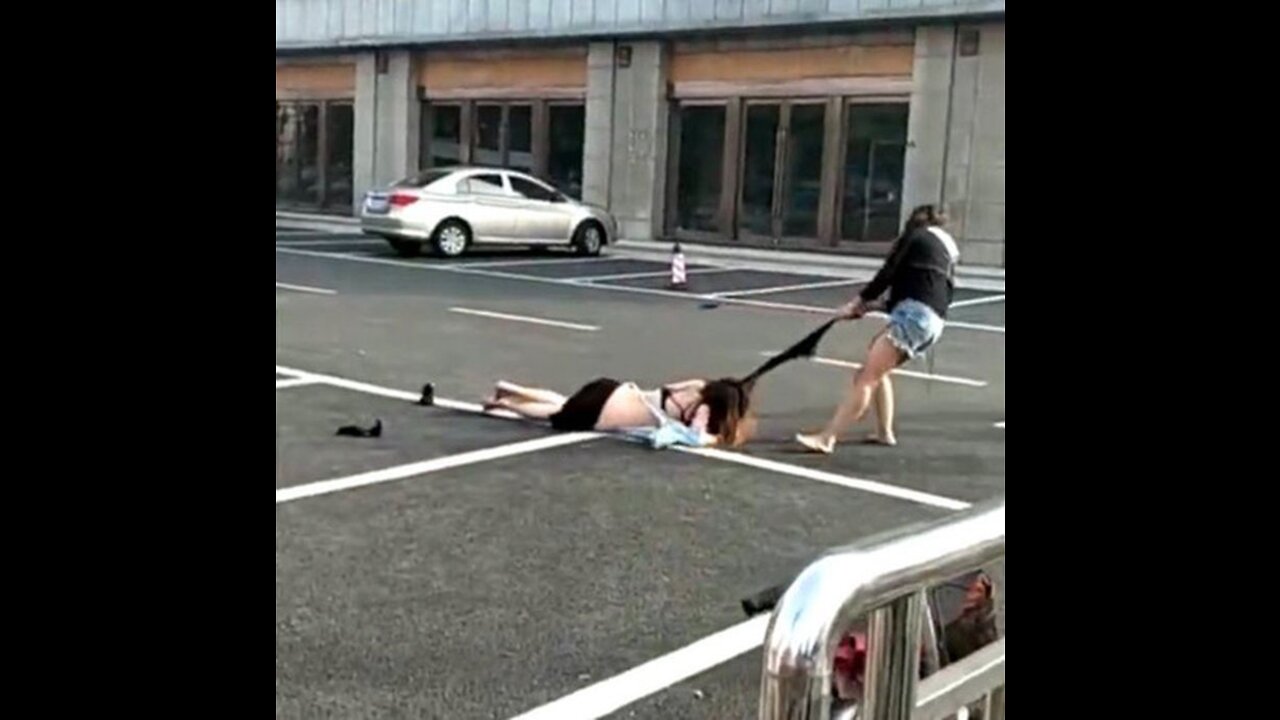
[(464, 566)]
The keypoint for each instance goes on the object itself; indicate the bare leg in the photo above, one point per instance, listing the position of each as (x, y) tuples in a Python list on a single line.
[(526, 408), (504, 389), (881, 358), (883, 401)]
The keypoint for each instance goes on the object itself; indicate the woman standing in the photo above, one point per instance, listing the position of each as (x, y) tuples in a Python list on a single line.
[(919, 275)]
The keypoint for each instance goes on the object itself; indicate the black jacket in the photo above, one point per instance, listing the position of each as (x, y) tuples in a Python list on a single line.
[(920, 268)]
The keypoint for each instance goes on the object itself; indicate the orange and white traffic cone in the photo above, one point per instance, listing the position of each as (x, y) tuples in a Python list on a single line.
[(678, 278)]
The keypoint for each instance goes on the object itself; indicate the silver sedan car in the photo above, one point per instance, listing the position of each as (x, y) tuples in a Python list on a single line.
[(451, 209)]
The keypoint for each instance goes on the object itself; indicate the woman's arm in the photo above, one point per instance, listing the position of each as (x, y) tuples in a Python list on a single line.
[(695, 384), (870, 297), (884, 278), (701, 417)]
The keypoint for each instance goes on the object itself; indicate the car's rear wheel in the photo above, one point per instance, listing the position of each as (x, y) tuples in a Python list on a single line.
[(589, 238), (451, 238), (405, 248)]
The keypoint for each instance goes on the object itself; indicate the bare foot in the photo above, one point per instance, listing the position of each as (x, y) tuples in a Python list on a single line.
[(876, 439), (817, 443)]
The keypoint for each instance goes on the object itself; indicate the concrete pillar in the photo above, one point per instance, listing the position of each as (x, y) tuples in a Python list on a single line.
[(625, 149), (597, 150), (387, 120), (927, 119), (955, 152), (984, 202), (362, 160)]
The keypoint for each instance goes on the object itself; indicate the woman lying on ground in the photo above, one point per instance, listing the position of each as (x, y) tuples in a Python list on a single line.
[(715, 409)]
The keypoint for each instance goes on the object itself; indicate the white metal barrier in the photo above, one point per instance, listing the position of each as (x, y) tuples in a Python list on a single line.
[(884, 578)]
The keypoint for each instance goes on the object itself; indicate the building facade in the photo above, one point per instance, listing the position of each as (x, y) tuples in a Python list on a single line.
[(813, 124)]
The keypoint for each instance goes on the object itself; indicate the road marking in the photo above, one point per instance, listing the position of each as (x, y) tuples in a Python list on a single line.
[(400, 472), (295, 382), (808, 473), (525, 319), (651, 274), (977, 301), (460, 270), (306, 289), (368, 389), (786, 288), (531, 261), (607, 696), (1000, 424), (969, 382), (739, 458), (352, 241)]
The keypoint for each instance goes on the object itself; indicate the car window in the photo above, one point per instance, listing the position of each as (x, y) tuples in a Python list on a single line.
[(483, 185), (531, 190), (422, 179)]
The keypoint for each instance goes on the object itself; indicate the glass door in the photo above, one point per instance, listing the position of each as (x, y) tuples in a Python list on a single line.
[(781, 177), (758, 180), (802, 160), (871, 196)]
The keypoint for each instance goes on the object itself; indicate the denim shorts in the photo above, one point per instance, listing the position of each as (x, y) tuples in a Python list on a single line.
[(914, 327)]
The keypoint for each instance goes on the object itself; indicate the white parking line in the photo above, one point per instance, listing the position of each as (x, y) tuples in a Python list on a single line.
[(306, 289), (606, 696), (461, 270), (295, 382), (351, 241), (400, 472), (524, 319), (977, 301), (531, 261), (1000, 424), (969, 382), (368, 389), (651, 274), (870, 486), (808, 473), (786, 288)]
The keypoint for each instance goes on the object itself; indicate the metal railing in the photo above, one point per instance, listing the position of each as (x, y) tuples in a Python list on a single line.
[(884, 578)]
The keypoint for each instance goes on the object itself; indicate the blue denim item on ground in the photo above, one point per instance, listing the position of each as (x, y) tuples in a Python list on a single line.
[(667, 433)]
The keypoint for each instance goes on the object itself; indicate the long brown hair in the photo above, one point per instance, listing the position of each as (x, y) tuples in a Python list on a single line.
[(729, 404), (924, 216)]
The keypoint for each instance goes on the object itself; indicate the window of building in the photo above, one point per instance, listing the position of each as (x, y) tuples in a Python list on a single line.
[(702, 133), (567, 130), (339, 134), (817, 171), (487, 139), (443, 146), (805, 134), (314, 150), (541, 138), (519, 138), (873, 170), (759, 168)]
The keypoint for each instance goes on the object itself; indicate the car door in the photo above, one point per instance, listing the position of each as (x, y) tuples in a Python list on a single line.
[(490, 207), (543, 214)]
